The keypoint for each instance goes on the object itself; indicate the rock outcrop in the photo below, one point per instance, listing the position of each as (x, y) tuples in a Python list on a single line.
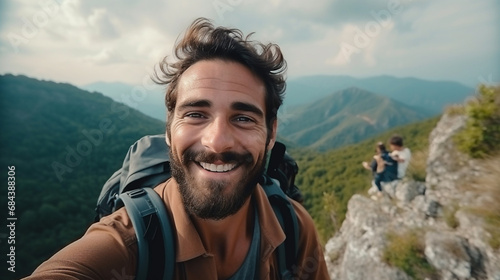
[(453, 246)]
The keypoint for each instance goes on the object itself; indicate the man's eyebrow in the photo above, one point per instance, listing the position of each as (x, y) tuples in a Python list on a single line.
[(242, 106), (195, 103)]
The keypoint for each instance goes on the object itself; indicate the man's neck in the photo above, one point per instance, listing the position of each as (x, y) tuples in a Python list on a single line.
[(241, 222), (228, 239)]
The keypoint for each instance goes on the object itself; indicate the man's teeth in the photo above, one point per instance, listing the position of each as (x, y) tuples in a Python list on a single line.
[(217, 168)]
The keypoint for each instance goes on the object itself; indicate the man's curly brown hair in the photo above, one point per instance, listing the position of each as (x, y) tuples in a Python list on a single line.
[(203, 41)]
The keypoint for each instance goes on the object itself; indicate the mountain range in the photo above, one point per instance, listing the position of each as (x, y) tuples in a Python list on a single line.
[(429, 95), (325, 112), (345, 117)]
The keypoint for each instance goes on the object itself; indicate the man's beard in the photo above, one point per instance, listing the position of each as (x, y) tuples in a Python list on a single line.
[(220, 202)]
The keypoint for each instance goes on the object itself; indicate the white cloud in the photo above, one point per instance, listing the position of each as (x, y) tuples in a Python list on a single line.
[(105, 56), (102, 24), (451, 39), (151, 43)]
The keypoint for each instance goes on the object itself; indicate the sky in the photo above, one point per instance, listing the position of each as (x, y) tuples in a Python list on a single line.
[(82, 42)]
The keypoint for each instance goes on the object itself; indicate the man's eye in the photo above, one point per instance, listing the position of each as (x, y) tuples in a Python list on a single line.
[(194, 115), (243, 119)]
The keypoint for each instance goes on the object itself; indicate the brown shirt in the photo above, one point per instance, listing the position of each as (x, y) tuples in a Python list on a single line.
[(108, 250)]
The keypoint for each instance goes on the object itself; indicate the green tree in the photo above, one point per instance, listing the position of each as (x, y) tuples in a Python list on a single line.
[(481, 134)]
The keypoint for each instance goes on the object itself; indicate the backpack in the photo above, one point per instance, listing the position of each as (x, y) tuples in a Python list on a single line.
[(391, 167), (146, 165)]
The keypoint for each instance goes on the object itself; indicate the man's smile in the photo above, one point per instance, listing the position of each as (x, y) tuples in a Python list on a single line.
[(217, 167)]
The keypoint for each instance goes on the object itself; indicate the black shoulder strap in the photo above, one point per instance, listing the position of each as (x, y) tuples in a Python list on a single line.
[(287, 251), (155, 239)]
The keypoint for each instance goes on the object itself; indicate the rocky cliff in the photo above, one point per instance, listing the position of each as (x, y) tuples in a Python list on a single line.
[(437, 229)]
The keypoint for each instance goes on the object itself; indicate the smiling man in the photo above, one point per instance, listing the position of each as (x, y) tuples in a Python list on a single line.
[(218, 137), (223, 95)]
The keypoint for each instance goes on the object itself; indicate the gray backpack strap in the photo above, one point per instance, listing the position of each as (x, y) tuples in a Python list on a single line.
[(155, 239)]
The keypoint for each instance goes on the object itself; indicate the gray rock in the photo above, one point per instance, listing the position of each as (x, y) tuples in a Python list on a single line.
[(356, 251), (454, 256), (390, 187), (357, 248), (406, 191), (427, 206)]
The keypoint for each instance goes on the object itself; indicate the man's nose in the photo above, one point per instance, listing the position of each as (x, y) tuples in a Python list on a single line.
[(218, 136)]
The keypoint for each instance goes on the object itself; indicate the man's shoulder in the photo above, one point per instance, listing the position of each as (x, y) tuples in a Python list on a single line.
[(117, 225), (306, 223), (162, 188)]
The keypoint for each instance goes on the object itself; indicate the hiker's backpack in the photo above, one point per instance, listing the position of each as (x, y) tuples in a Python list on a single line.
[(147, 164)]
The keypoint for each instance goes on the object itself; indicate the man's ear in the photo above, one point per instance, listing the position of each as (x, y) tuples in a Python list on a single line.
[(167, 130), (167, 139), (274, 132)]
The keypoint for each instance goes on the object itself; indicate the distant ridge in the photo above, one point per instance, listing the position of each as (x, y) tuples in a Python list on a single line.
[(149, 99), (345, 117), (430, 95)]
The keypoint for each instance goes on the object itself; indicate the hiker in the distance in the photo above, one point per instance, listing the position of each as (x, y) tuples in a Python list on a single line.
[(400, 153), (223, 95), (384, 168)]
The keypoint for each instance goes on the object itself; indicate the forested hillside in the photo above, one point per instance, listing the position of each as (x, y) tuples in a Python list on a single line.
[(64, 143)]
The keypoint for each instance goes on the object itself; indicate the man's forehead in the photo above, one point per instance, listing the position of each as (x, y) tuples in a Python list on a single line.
[(220, 74)]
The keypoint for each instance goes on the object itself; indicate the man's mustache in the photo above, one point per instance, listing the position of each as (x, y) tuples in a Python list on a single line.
[(209, 157)]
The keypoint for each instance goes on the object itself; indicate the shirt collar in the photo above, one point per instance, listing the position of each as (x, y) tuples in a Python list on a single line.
[(189, 244)]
